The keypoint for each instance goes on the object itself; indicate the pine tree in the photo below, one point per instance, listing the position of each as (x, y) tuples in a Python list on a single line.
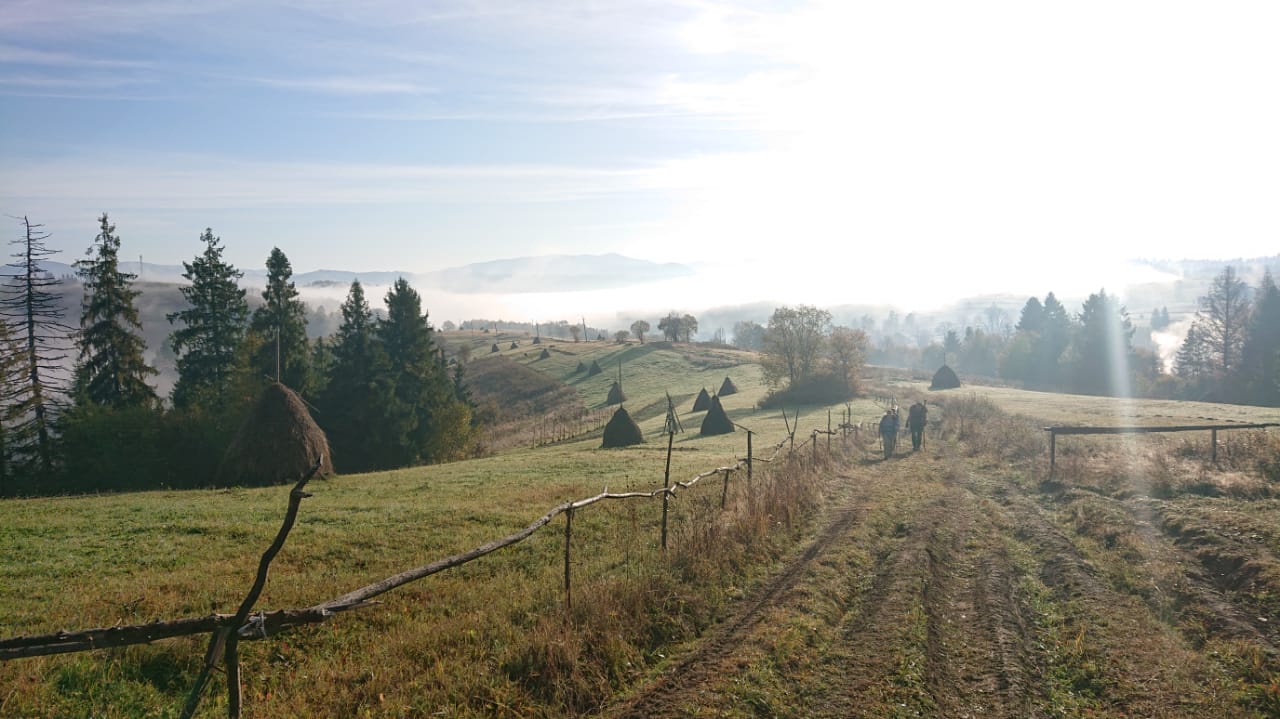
[(1219, 330), (282, 323), (29, 303), (213, 325), (11, 384), (1260, 355), (355, 400), (426, 423), (111, 371), (1104, 350)]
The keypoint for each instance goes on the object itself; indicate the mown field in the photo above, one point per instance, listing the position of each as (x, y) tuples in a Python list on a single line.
[(1140, 581)]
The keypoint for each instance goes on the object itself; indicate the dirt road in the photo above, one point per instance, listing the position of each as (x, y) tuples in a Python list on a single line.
[(938, 586)]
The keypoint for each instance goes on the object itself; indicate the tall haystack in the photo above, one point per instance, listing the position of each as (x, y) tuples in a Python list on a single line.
[(279, 442), (545, 353), (727, 388), (582, 367), (703, 401), (716, 421), (537, 340), (616, 395), (494, 348), (945, 378), (514, 345), (622, 431), (595, 369)]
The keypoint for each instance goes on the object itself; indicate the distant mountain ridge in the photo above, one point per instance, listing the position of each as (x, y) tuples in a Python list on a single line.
[(534, 274)]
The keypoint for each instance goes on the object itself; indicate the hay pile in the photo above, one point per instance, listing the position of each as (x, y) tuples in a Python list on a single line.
[(544, 354), (582, 367), (494, 348), (703, 402), (595, 369), (537, 340), (616, 395), (622, 431), (514, 345), (727, 388), (716, 421), (278, 442), (945, 378)]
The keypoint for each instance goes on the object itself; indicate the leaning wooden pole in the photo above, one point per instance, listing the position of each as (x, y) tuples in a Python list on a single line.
[(568, 538), (666, 484), (227, 637)]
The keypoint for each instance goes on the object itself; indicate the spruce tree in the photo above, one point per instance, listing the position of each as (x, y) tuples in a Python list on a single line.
[(212, 327), (29, 303), (281, 322), (11, 386), (111, 371), (1260, 356), (1103, 348), (355, 400)]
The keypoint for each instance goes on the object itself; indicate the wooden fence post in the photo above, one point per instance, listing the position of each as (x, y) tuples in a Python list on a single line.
[(1213, 440), (724, 491), (1053, 446), (568, 536), (748, 457), (666, 483), (814, 439)]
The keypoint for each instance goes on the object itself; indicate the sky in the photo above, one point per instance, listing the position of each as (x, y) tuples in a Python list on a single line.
[(805, 152)]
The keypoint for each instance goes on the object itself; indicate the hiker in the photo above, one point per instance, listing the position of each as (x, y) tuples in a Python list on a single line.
[(916, 418), (889, 431)]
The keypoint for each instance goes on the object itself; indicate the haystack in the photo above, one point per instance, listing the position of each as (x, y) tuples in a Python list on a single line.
[(945, 378), (582, 367), (537, 340), (727, 388), (595, 369), (545, 353), (622, 431), (515, 345), (279, 442), (703, 401), (716, 421), (616, 395), (494, 348)]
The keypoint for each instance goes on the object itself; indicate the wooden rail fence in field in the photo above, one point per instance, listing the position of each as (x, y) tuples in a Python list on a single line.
[(1211, 428), (227, 630)]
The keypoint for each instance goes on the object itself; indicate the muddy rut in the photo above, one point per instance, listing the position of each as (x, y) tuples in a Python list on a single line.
[(936, 589)]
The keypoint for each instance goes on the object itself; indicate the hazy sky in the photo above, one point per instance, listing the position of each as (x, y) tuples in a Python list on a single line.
[(954, 146)]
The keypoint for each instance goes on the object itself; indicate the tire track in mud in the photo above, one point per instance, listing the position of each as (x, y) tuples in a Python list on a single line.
[(678, 684)]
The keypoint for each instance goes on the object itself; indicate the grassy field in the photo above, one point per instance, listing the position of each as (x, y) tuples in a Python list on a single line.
[(973, 518)]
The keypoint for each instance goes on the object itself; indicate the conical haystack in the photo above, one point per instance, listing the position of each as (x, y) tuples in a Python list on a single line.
[(616, 395), (703, 401), (545, 353), (279, 442), (727, 388), (537, 340), (595, 369), (494, 348), (716, 421), (582, 367), (622, 431), (945, 378), (515, 345)]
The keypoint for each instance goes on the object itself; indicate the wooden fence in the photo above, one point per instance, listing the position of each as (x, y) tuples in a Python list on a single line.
[(227, 630), (1211, 428)]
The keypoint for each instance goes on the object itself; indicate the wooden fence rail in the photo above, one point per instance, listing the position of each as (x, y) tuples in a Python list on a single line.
[(227, 630), (1151, 429)]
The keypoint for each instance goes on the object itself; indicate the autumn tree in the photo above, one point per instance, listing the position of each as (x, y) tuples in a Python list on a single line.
[(793, 342), (847, 350), (638, 328)]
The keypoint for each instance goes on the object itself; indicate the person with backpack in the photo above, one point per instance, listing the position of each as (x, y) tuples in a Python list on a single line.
[(889, 431), (917, 417)]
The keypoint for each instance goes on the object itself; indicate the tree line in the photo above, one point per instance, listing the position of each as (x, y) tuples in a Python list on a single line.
[(1230, 353), (381, 388)]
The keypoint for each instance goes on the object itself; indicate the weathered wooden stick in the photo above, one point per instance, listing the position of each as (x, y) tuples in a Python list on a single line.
[(228, 635)]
